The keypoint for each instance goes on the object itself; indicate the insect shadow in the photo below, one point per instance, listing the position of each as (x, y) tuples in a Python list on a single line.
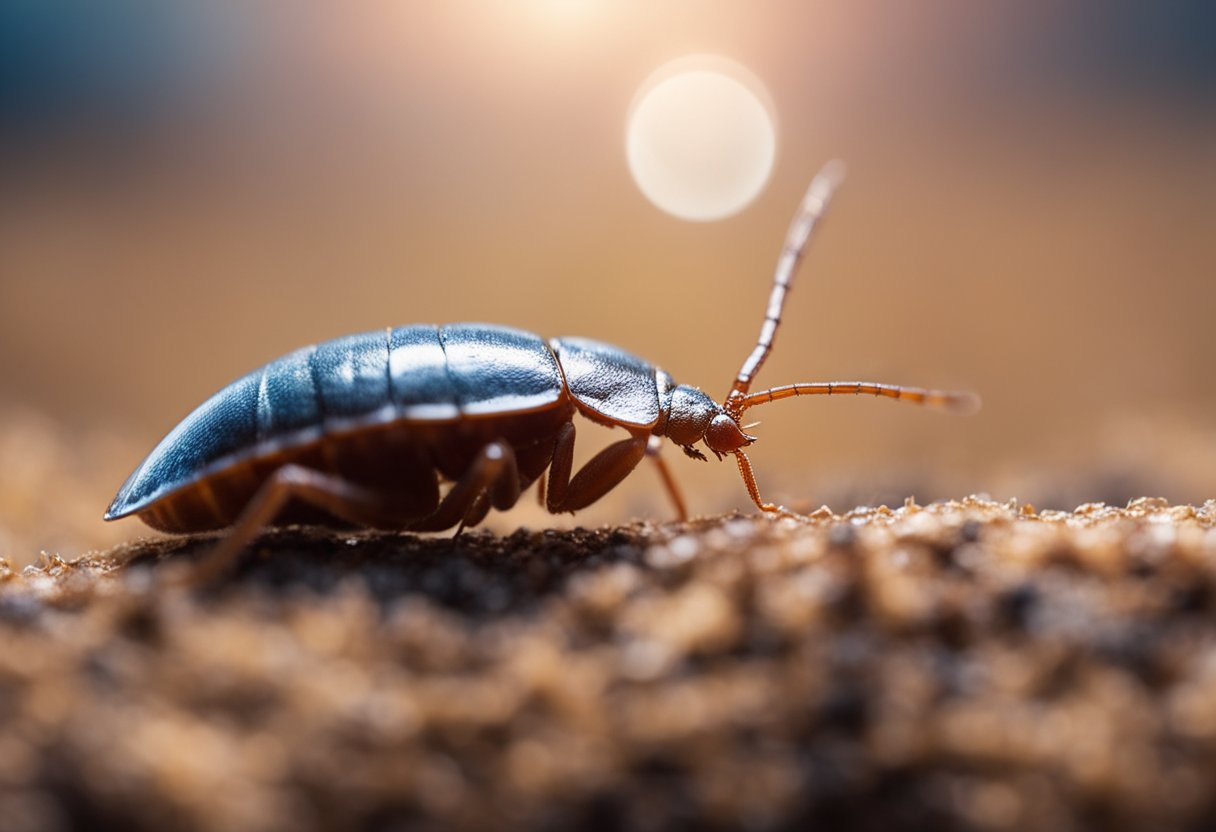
[(476, 573)]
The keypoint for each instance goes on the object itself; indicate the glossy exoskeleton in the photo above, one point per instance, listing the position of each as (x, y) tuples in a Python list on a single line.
[(365, 429)]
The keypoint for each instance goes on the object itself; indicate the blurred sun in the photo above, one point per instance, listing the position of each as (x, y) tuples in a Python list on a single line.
[(701, 138)]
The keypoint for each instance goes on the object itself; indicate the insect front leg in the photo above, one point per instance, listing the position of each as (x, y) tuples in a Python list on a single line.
[(653, 446), (602, 473)]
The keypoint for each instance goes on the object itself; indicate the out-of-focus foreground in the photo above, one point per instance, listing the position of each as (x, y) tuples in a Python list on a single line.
[(189, 190), (958, 666)]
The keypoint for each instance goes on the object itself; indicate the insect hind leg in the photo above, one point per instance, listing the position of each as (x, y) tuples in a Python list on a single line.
[(335, 495)]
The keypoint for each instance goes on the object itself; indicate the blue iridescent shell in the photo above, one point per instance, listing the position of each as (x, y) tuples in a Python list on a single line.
[(410, 374)]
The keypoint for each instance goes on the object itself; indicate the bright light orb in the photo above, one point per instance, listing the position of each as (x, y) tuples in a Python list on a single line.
[(700, 139)]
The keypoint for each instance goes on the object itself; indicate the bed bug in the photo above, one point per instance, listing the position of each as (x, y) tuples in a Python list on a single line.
[(367, 429)]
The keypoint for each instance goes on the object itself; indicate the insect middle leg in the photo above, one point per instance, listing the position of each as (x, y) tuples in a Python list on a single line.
[(602, 473), (493, 476)]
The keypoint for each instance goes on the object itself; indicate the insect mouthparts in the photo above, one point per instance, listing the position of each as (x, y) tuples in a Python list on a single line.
[(690, 451)]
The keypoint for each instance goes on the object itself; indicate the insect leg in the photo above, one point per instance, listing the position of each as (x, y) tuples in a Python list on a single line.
[(523, 466), (602, 473), (559, 469), (493, 473), (477, 513), (653, 446), (338, 496)]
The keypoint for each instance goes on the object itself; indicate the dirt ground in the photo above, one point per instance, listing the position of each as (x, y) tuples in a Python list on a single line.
[(970, 665)]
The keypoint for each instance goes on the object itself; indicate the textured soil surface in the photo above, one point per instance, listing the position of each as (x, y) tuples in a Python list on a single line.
[(968, 665)]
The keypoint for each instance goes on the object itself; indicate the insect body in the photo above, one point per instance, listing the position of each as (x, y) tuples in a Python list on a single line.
[(364, 429), (371, 423)]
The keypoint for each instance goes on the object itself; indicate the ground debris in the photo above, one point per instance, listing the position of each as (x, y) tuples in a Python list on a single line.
[(969, 665)]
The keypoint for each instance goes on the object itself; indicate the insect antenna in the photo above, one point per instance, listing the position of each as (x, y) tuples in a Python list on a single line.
[(952, 400), (813, 205), (963, 403)]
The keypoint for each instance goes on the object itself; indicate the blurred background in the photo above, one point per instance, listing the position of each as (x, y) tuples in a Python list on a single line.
[(189, 189)]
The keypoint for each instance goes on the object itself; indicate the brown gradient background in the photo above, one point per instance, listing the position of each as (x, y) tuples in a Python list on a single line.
[(1030, 214)]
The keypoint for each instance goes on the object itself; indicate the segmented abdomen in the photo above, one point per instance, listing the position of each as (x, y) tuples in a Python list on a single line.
[(415, 374)]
